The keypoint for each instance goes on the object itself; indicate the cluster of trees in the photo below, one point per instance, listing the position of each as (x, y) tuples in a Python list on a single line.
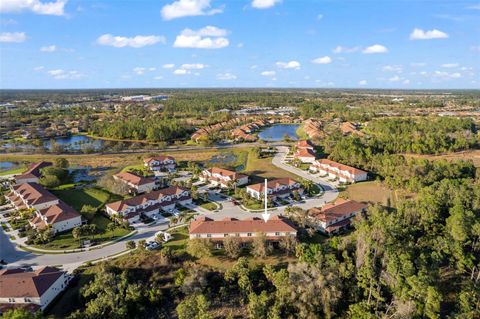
[(53, 176), (152, 129)]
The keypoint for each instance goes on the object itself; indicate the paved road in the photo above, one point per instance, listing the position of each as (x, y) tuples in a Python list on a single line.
[(16, 257)]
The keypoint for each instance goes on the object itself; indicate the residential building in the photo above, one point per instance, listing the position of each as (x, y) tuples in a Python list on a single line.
[(33, 174), (149, 204), (246, 230), (160, 163), (305, 144), (33, 290), (344, 173), (223, 177), (305, 155), (48, 209), (137, 184), (282, 187), (334, 217)]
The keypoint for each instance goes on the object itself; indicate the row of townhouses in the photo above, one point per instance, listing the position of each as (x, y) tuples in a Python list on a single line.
[(48, 209), (160, 163), (277, 188), (344, 173), (335, 217), (31, 290), (222, 177), (245, 230), (149, 204), (32, 174), (137, 184)]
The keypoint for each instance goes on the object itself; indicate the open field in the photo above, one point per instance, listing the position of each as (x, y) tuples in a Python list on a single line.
[(93, 196), (180, 237), (371, 192), (66, 240), (18, 170), (260, 168), (473, 155)]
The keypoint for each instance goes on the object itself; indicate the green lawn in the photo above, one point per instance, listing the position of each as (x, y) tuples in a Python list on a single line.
[(209, 205), (66, 240), (260, 168), (180, 238), (92, 196), (13, 171)]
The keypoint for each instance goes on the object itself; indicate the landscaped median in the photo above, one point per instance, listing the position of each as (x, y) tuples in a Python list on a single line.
[(76, 250)]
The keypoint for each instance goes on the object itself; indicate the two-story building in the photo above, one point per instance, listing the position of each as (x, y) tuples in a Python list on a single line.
[(136, 184), (33, 174), (223, 177), (48, 209), (149, 204), (344, 173), (335, 217), (245, 230), (32, 290), (281, 187), (160, 163)]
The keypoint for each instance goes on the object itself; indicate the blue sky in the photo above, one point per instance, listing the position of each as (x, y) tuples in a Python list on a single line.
[(50, 44)]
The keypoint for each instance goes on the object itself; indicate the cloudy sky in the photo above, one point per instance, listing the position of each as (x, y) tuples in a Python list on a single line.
[(411, 44)]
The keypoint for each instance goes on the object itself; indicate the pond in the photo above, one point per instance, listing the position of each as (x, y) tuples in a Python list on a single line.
[(6, 166), (277, 132)]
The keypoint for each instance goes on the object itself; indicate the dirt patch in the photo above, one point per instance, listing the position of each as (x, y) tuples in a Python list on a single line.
[(473, 155), (372, 192)]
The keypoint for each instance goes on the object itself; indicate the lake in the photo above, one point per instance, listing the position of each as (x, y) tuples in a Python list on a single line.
[(277, 132), (6, 166)]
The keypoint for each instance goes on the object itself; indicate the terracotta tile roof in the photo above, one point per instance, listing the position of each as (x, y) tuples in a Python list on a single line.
[(223, 172), (205, 225), (272, 184), (34, 194), (16, 283), (160, 158), (341, 167), (134, 179), (304, 152), (58, 213), (340, 208), (141, 199), (33, 171), (305, 144)]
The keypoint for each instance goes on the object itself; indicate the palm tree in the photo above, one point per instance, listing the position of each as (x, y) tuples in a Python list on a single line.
[(307, 185)]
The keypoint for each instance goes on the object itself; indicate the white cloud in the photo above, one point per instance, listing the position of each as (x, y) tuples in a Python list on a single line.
[(38, 68), (193, 66), (320, 17), (268, 73), (187, 8), (406, 81), (376, 48), (168, 66), (419, 34), (226, 76), (395, 78), (158, 77), (474, 7), (49, 48), (36, 6), (450, 65), (288, 65), (181, 72), (392, 68), (139, 70), (446, 75), (475, 48), (322, 60), (16, 37), (138, 41), (264, 4), (209, 37), (362, 82), (60, 74), (340, 49)]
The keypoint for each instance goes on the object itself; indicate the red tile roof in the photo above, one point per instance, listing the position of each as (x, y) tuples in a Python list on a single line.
[(160, 158), (205, 225), (134, 179), (305, 152), (59, 212), (341, 167), (272, 184), (225, 172), (340, 208), (17, 283), (33, 171), (34, 194), (305, 144)]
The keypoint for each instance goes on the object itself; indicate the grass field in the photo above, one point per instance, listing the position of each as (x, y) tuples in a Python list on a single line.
[(209, 205), (93, 196), (473, 155), (66, 241), (371, 192), (18, 170), (180, 237), (261, 168)]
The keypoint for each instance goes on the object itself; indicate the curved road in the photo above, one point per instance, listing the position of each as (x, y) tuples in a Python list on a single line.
[(17, 257)]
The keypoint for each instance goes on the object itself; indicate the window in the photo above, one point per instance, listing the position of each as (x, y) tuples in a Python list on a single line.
[(277, 233), (209, 235), (249, 234), (225, 235), (237, 235), (198, 235)]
